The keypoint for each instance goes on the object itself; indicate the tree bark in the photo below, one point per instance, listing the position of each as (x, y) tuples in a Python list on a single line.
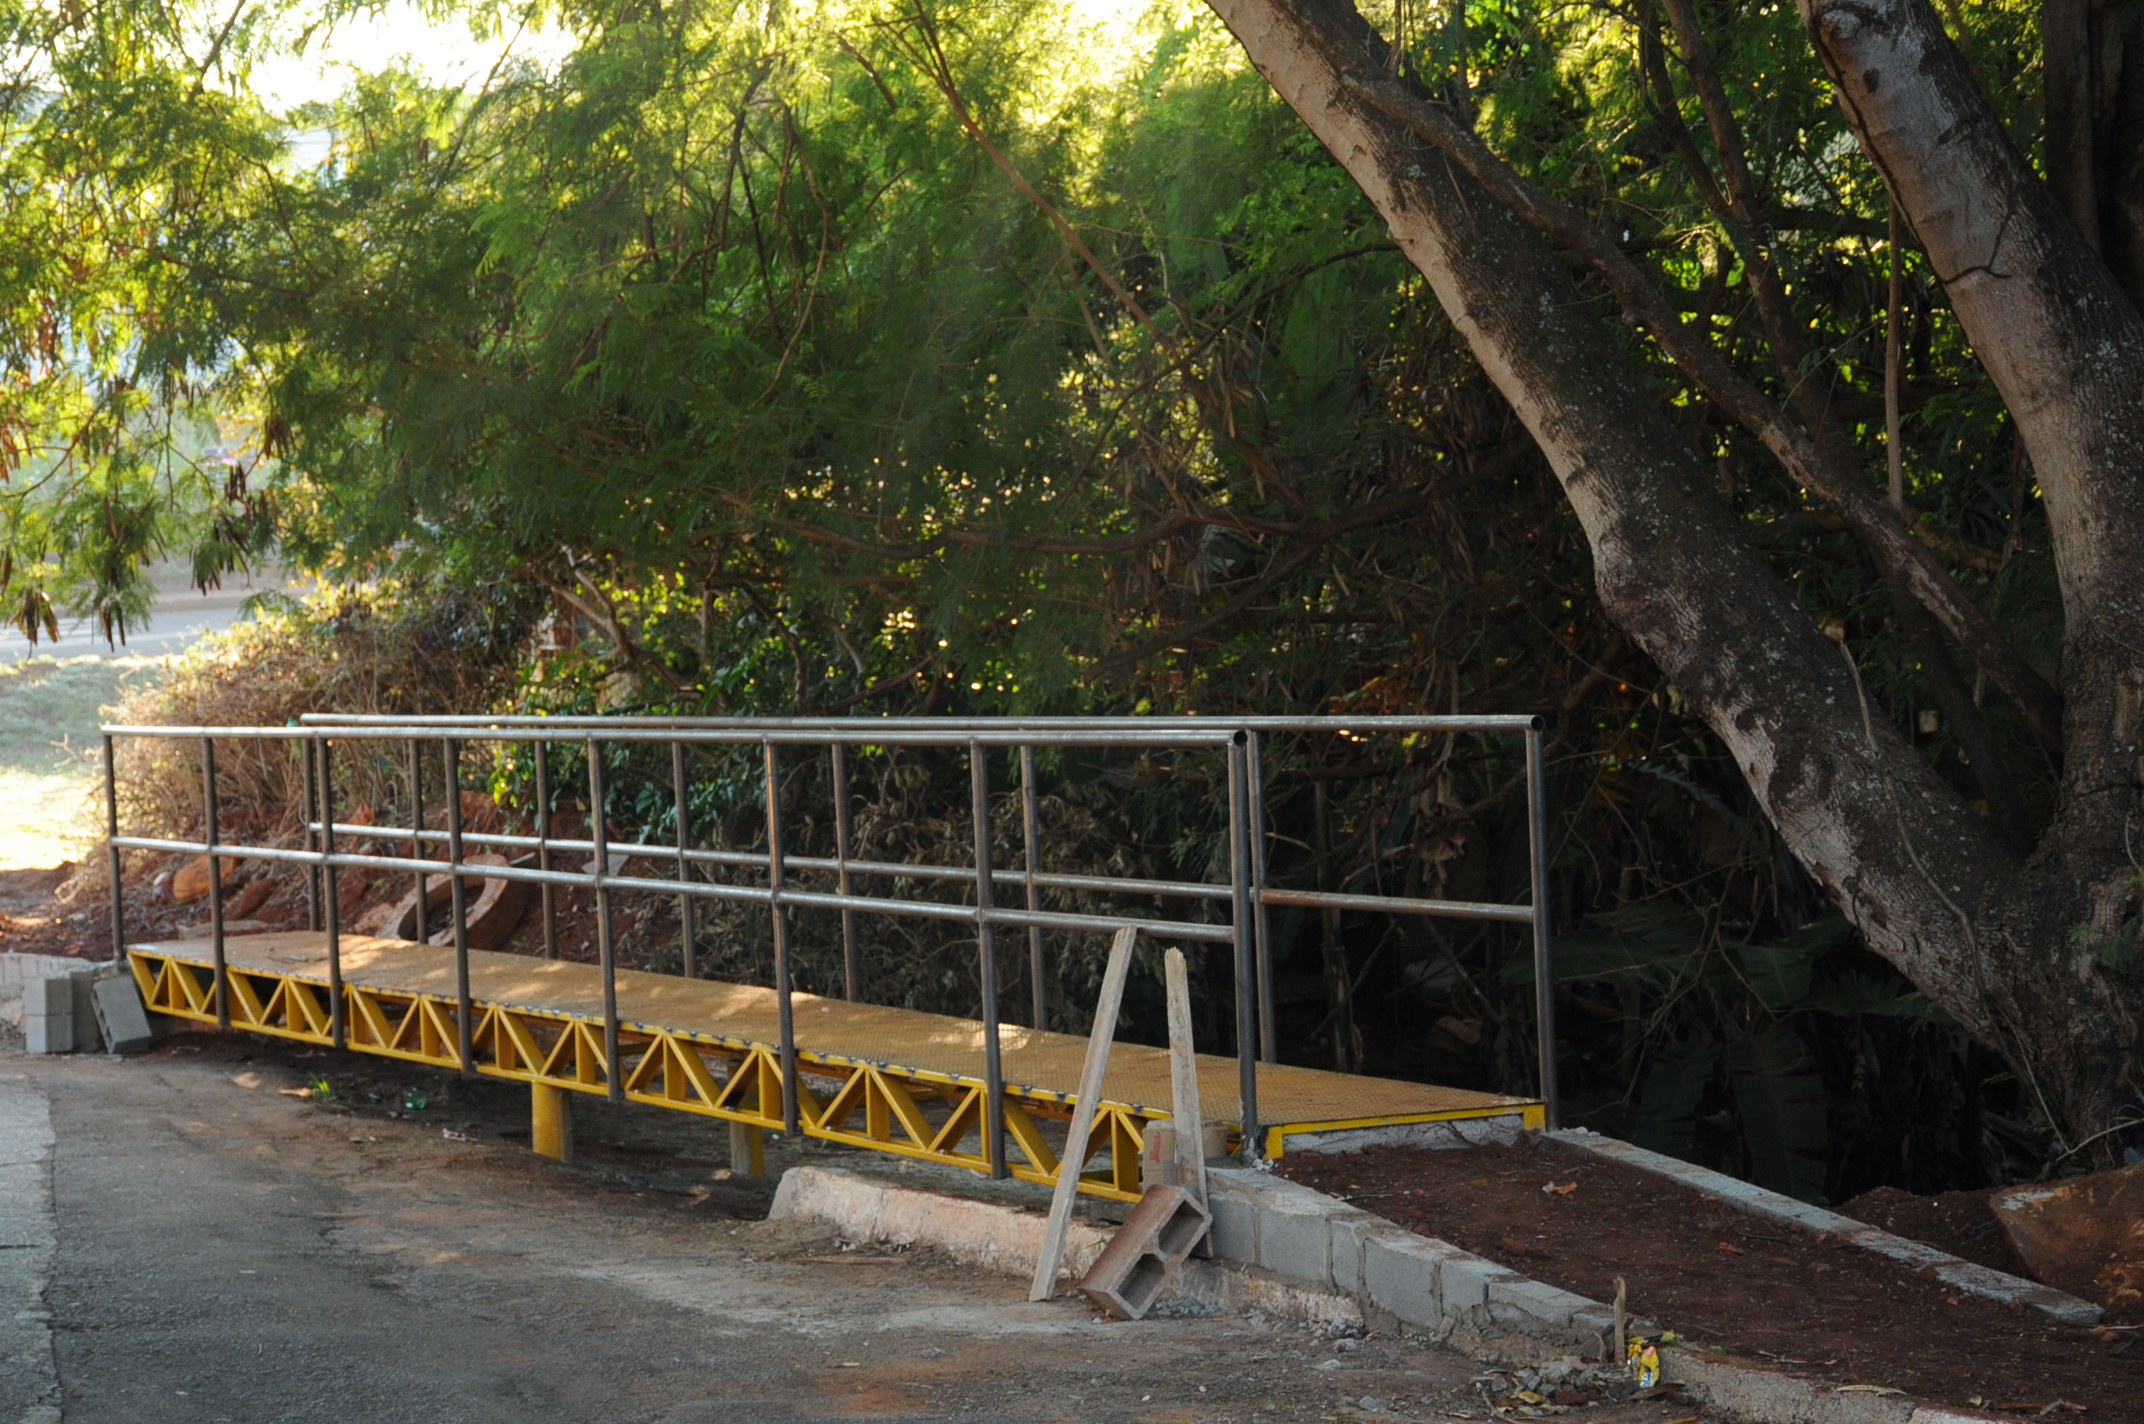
[(1910, 864), (2065, 348), (1833, 472)]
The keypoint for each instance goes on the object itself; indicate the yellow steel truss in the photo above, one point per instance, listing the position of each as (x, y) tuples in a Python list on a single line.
[(914, 1113)]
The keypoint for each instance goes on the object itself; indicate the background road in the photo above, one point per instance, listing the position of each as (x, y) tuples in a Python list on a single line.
[(180, 615), (216, 1251)]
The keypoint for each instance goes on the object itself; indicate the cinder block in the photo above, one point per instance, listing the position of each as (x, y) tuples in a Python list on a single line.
[(1348, 1229), (83, 981), (1543, 1306), (1234, 1206), (1400, 1272), (1294, 1238), (1463, 1281), (50, 996), (1151, 1243), (48, 1033), (120, 1015)]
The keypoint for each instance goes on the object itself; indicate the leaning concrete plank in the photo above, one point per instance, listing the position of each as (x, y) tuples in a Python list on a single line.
[(1184, 1111), (1083, 1106)]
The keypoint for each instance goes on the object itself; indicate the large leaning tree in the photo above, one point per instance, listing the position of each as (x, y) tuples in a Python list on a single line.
[(2027, 940)]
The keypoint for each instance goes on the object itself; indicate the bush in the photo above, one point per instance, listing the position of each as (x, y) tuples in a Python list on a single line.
[(402, 647)]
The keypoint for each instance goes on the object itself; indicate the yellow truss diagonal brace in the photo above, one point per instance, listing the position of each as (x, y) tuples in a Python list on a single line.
[(514, 1046), (245, 1001), (368, 1024), (1025, 1131)]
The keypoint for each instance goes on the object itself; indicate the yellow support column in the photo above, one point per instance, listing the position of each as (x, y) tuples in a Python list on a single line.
[(748, 1150), (551, 1121)]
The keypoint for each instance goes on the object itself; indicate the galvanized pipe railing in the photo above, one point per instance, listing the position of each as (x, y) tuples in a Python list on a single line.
[(1247, 892)]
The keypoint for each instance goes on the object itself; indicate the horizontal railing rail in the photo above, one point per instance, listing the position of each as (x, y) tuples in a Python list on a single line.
[(331, 846)]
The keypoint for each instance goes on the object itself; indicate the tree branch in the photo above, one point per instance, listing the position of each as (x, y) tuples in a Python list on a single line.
[(1314, 536), (606, 617), (1880, 527)]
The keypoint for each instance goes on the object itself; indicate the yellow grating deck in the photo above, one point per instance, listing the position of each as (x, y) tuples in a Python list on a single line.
[(890, 1079)]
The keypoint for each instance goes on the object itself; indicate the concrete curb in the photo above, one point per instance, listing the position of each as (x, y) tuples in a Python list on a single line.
[(1295, 1253), (992, 1236), (1006, 1239), (1399, 1277), (1772, 1206), (1744, 1393)]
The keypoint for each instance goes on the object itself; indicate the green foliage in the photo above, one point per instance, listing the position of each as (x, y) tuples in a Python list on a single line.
[(2117, 949), (1783, 1111), (1667, 1107), (1736, 1026), (821, 359), (403, 645)]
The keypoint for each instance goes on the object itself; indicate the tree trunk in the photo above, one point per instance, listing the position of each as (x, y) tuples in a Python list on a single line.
[(2065, 348), (1922, 877)]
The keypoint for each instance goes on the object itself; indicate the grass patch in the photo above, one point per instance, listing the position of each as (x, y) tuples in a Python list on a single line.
[(50, 709)]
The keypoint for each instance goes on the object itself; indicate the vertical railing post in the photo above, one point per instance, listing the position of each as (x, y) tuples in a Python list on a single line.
[(423, 930), (851, 961), (1544, 969), (613, 1070), (324, 774), (543, 849), (313, 822), (987, 953), (1239, 879), (1261, 919), (684, 866), (784, 1010), (458, 899), (215, 881), (115, 862), (1031, 831)]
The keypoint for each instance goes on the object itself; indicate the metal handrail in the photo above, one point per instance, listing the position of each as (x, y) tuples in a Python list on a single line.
[(958, 726), (1246, 891)]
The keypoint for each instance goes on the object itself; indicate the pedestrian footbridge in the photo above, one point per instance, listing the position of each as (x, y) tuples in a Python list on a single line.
[(979, 1093)]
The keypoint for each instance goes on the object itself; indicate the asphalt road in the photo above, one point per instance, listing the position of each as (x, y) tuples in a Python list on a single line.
[(179, 616), (208, 1249)]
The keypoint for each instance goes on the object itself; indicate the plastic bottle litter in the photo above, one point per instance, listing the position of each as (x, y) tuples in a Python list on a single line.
[(1644, 1362)]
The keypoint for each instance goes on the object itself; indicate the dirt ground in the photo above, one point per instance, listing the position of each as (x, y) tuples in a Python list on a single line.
[(32, 922), (1962, 1223), (1769, 1295), (228, 1252)]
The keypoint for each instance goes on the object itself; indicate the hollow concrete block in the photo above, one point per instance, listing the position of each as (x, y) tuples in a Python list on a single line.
[(1400, 1272), (1347, 1230), (125, 1023), (1294, 1238), (48, 1033), (1234, 1205), (1155, 1239)]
